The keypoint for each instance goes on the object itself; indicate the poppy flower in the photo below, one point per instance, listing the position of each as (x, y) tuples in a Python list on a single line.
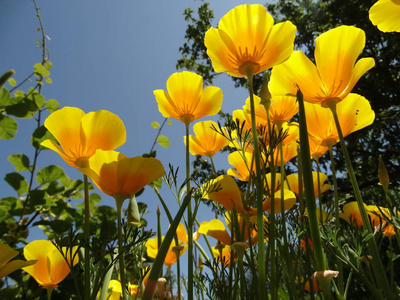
[(6, 266), (119, 176), (51, 267), (354, 113), (292, 183), (152, 250), (386, 15), (186, 100), (242, 162), (79, 135), (335, 73), (247, 38), (206, 140), (115, 290)]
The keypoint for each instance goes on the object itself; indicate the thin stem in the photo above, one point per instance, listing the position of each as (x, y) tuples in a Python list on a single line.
[(87, 238), (259, 193), (120, 250), (190, 219), (158, 134)]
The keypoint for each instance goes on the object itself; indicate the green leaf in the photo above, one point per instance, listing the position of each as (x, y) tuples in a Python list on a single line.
[(37, 197), (37, 98), (18, 182), (155, 124), (163, 141), (48, 80), (49, 174), (5, 97), (169, 122), (22, 107), (8, 127), (20, 162), (48, 65), (52, 105), (39, 135), (12, 82), (40, 70), (5, 77), (157, 183)]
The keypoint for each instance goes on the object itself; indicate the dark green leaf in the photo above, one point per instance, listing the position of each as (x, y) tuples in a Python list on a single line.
[(20, 162), (49, 174), (39, 135), (18, 182), (5, 77), (21, 107), (37, 197), (8, 127)]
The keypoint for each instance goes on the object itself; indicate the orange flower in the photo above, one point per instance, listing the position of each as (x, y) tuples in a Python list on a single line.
[(6, 266), (292, 183), (242, 162), (186, 100), (354, 113), (336, 70), (247, 37), (119, 176), (206, 141), (80, 134), (171, 257), (51, 267)]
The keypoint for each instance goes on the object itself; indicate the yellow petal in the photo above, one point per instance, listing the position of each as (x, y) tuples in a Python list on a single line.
[(14, 265), (216, 229), (386, 15), (181, 233), (58, 267), (242, 162), (225, 191), (6, 254), (289, 199), (336, 53)]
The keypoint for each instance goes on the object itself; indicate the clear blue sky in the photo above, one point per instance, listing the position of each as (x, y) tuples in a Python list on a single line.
[(106, 55)]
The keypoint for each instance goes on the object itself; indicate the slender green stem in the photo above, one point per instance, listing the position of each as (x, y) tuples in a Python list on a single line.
[(337, 221), (213, 166), (259, 193), (310, 198), (378, 267), (190, 219), (49, 291), (121, 251), (87, 238), (106, 283)]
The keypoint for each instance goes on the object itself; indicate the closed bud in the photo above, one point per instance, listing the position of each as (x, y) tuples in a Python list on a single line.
[(383, 175)]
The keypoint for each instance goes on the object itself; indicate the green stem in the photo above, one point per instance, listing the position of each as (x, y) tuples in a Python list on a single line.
[(49, 291), (259, 193), (190, 219), (163, 250), (378, 267), (120, 250), (337, 221), (310, 197), (87, 238)]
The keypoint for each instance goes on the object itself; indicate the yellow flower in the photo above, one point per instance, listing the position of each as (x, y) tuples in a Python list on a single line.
[(247, 38), (289, 198), (6, 266), (351, 214), (386, 15), (316, 149), (354, 113), (222, 254), (206, 141), (292, 183), (115, 290), (242, 162), (51, 267), (336, 70), (171, 257), (119, 176), (186, 100), (80, 134)]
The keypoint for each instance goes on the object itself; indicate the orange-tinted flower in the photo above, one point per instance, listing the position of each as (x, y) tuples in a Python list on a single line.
[(351, 214), (354, 113), (336, 70), (242, 162), (119, 176), (206, 141), (386, 15), (80, 134), (186, 100), (316, 149), (289, 197), (222, 253), (171, 257), (6, 266), (115, 290), (304, 245), (292, 183), (247, 37), (51, 267)]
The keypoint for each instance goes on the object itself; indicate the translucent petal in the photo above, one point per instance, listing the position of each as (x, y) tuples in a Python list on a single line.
[(386, 15), (216, 229)]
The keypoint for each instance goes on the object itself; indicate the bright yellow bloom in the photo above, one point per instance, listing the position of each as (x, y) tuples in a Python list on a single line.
[(115, 290), (386, 15), (354, 113), (289, 198), (247, 37), (6, 266), (242, 162), (292, 183), (51, 267), (336, 70), (80, 134), (171, 257), (119, 176), (351, 214), (216, 229), (222, 254), (206, 141), (316, 149), (186, 100)]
